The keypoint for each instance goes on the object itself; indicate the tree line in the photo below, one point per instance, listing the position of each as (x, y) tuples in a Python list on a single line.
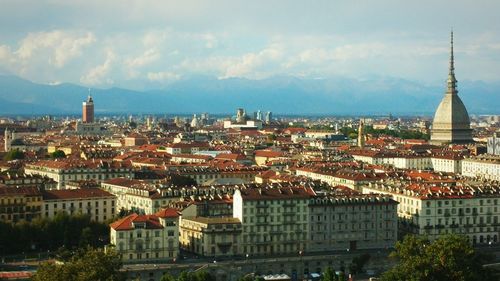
[(43, 234)]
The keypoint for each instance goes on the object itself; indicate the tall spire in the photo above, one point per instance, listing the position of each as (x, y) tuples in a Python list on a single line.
[(89, 98), (452, 81)]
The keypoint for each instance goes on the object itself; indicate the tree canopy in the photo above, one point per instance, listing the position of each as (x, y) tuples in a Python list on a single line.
[(69, 231), (450, 257), (87, 265), (189, 276), (14, 154), (58, 154)]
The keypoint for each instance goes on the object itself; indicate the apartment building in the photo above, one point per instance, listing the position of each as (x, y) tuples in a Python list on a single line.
[(447, 162), (350, 221), (146, 197), (210, 236), (147, 238), (207, 175), (351, 178), (274, 218), (22, 203), (98, 204), (66, 170), (484, 166), (437, 208)]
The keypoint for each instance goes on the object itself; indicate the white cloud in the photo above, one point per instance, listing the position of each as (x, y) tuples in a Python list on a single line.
[(97, 75), (248, 63), (149, 56), (61, 46), (164, 76)]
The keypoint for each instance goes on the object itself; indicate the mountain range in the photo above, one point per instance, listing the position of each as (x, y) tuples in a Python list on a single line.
[(281, 94)]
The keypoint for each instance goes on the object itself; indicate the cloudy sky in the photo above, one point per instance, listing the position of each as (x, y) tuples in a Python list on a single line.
[(147, 44)]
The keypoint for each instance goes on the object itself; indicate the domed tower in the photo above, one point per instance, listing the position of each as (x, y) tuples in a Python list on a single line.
[(451, 122)]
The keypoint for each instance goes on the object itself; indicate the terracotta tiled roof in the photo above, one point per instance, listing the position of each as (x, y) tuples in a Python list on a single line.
[(75, 194), (167, 213), (267, 153), (277, 193), (127, 223)]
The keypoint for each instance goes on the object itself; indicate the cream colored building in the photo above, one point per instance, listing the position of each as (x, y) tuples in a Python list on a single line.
[(274, 219), (22, 203), (66, 170), (447, 163), (98, 204), (146, 197), (352, 221), (212, 237), (353, 179), (147, 238), (484, 166), (434, 209)]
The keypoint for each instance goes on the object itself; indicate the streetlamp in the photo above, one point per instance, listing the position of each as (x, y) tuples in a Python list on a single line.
[(301, 264)]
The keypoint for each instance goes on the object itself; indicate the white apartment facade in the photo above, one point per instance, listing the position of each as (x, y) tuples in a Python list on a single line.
[(484, 166), (98, 204), (64, 171), (147, 238), (434, 210)]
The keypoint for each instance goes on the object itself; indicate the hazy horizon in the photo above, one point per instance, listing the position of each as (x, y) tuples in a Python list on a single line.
[(155, 43)]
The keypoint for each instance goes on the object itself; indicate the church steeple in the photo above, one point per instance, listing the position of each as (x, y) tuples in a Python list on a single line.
[(452, 81)]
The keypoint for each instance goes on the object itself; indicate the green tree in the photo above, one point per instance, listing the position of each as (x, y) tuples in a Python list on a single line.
[(87, 265), (450, 257), (14, 154), (58, 154), (167, 277), (86, 237), (329, 275), (189, 276), (358, 263)]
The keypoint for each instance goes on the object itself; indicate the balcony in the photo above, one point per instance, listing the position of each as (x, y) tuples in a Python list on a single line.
[(439, 226), (262, 206), (288, 205), (288, 213), (428, 227), (261, 214)]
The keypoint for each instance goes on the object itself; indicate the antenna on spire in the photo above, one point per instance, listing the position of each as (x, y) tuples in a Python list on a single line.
[(452, 81), (89, 98)]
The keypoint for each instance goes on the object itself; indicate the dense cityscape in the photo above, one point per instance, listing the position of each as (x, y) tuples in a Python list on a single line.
[(252, 195)]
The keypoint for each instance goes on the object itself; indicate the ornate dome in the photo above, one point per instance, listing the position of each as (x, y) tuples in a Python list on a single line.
[(451, 122), (451, 114)]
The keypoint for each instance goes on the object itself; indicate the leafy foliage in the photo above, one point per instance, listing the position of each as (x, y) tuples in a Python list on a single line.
[(14, 154), (87, 265), (189, 276), (358, 263), (450, 257), (58, 154), (330, 275), (50, 234), (403, 134)]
